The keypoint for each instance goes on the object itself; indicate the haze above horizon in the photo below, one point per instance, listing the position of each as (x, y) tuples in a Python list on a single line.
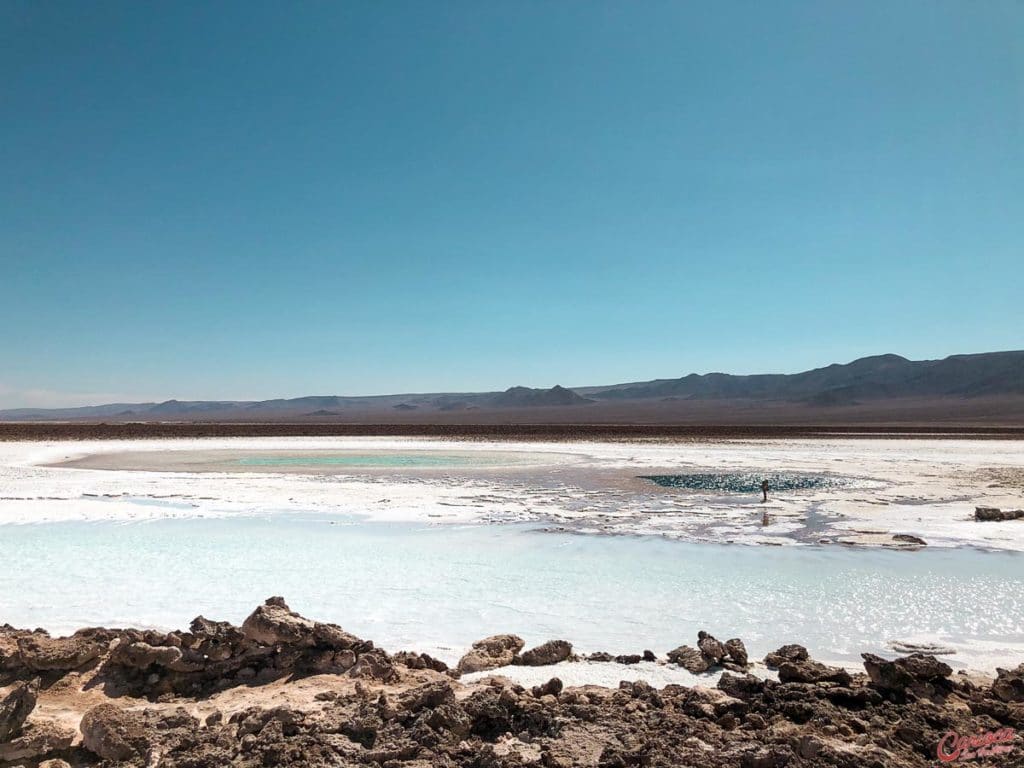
[(248, 201)]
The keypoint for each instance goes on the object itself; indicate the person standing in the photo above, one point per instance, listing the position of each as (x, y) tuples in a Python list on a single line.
[(764, 512)]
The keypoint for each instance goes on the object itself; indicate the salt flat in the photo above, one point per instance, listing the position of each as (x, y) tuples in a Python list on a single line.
[(924, 488), (430, 544)]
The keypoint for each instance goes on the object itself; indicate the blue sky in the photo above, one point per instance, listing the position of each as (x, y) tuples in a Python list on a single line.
[(276, 199)]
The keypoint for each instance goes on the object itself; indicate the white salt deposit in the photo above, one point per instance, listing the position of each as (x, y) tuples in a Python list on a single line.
[(415, 557)]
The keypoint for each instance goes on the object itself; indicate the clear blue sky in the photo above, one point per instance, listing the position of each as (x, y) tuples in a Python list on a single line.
[(247, 200)]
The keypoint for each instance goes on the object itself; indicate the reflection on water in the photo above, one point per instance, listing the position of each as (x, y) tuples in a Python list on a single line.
[(748, 482)]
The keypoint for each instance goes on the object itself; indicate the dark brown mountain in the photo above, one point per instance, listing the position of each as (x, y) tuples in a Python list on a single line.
[(988, 386), (869, 378), (525, 397)]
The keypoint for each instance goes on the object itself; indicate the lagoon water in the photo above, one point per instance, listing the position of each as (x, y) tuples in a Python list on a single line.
[(748, 482), (439, 588), (429, 545), (315, 460)]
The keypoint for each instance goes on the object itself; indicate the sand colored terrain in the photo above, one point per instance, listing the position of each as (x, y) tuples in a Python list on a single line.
[(283, 690)]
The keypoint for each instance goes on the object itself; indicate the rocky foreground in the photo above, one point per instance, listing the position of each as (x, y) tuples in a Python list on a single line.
[(282, 690)]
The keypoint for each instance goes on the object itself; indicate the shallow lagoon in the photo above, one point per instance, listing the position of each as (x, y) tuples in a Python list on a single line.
[(431, 544), (440, 588), (314, 460), (748, 482)]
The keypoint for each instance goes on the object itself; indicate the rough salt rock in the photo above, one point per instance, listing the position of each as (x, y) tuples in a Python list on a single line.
[(15, 708), (336, 638), (140, 655), (216, 640), (43, 654), (690, 659), (709, 653), (413, 660), (115, 734), (740, 686), (552, 687), (38, 740), (426, 696), (812, 672), (737, 651), (491, 652), (328, 662), (375, 665), (994, 514), (906, 538), (274, 623), (902, 673), (551, 652), (809, 746), (1009, 684), (253, 720), (766, 758), (790, 652), (712, 650)]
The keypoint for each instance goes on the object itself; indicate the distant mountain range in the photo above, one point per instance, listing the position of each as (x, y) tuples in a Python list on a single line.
[(869, 378), (979, 383)]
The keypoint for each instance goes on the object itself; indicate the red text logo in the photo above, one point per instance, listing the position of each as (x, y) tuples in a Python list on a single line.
[(953, 746)]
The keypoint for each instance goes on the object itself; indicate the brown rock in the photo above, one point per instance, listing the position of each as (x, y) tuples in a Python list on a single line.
[(790, 652), (766, 758), (810, 720), (904, 672), (448, 718), (1009, 684), (15, 708), (809, 746), (756, 721), (36, 741), (333, 662), (994, 514), (812, 672), (552, 687), (215, 640), (689, 659), (113, 733), (906, 538), (419, 661), (712, 650), (336, 638), (274, 623), (737, 651), (141, 655), (42, 654), (373, 664), (551, 652), (491, 652), (740, 686), (426, 696)]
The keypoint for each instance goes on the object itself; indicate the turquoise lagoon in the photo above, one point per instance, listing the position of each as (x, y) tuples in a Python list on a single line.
[(439, 588)]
